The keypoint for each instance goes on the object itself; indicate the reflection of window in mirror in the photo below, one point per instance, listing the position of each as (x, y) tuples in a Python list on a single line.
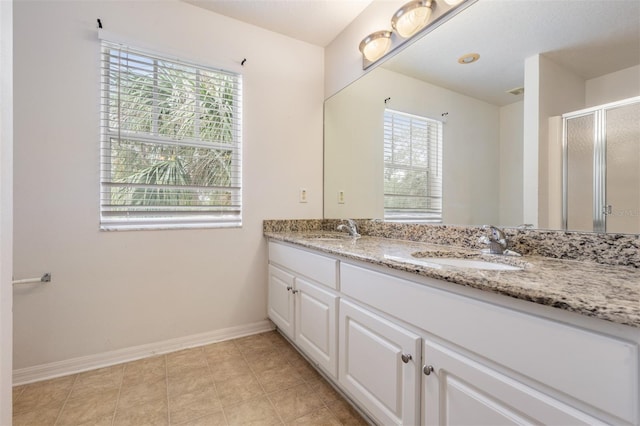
[(412, 168)]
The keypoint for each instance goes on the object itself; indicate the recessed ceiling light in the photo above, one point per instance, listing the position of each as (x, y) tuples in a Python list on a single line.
[(469, 58)]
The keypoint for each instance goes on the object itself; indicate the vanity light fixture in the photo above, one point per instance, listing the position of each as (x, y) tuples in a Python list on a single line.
[(414, 18), (469, 58), (411, 18), (375, 45)]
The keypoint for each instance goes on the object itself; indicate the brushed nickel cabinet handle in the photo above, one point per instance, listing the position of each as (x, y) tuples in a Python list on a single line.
[(427, 369), (406, 358)]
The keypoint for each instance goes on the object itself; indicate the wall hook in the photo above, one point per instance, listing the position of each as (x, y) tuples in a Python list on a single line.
[(99, 23)]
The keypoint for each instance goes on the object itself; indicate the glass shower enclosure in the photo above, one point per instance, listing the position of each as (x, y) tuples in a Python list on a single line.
[(601, 168)]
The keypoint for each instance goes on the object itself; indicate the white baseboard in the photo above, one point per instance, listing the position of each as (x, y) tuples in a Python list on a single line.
[(75, 365)]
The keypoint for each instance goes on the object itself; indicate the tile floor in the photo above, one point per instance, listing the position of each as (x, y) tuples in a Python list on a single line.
[(258, 380)]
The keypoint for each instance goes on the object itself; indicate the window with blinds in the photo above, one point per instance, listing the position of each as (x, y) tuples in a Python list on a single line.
[(170, 143), (412, 168)]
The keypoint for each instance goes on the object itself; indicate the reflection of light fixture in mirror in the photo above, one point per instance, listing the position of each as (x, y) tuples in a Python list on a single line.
[(375, 45), (411, 18), (469, 58)]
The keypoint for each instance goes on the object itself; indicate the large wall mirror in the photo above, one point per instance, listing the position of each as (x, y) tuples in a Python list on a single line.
[(502, 150)]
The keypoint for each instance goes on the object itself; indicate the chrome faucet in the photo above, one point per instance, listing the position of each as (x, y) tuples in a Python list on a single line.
[(496, 240), (351, 228)]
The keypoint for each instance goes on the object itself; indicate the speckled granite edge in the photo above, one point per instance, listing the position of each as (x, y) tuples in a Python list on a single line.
[(607, 249), (610, 293)]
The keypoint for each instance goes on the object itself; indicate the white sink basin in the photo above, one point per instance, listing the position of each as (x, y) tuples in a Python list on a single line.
[(470, 263), (444, 262), (328, 236)]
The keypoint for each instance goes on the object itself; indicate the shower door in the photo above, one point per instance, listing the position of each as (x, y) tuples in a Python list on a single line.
[(601, 168)]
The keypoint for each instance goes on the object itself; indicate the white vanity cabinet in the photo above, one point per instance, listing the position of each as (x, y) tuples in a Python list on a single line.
[(418, 351), (380, 365), (460, 391), (304, 309)]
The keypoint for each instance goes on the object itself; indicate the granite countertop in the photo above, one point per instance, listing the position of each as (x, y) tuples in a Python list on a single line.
[(611, 293)]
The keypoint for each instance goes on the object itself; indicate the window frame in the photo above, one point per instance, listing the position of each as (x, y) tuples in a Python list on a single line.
[(177, 215), (434, 143)]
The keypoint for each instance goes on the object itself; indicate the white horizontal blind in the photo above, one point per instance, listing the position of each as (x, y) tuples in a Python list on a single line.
[(412, 168), (171, 139)]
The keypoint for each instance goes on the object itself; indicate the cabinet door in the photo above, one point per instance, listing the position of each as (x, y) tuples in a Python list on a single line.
[(281, 300), (379, 365), (460, 391), (315, 328)]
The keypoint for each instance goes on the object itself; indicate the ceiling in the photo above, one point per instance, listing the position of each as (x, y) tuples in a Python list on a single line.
[(590, 38), (314, 21)]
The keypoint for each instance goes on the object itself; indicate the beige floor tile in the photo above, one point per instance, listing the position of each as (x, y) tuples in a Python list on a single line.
[(288, 351), (17, 391), (276, 338), (97, 381), (324, 390), (47, 393), (308, 373), (295, 402), (142, 393), (215, 419), (149, 413), (345, 413), (214, 385), (278, 379), (192, 405), (97, 408), (227, 369), (238, 389), (265, 359), (253, 343), (189, 381), (42, 416), (321, 417), (298, 361), (190, 359), (144, 370), (253, 412), (222, 351)]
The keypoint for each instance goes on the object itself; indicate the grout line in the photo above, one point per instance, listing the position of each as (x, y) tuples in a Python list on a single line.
[(215, 387), (115, 408), (261, 386), (64, 404), (166, 384)]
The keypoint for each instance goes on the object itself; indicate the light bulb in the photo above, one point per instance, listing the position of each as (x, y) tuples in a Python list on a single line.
[(411, 18), (375, 45)]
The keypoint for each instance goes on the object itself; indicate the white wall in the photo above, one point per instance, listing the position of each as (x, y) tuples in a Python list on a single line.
[(113, 290), (613, 87), (343, 60), (354, 147), (6, 207), (551, 90), (511, 137)]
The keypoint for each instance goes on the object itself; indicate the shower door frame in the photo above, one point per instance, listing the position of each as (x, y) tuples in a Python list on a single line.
[(600, 208)]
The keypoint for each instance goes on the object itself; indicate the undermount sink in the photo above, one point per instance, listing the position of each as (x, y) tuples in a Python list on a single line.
[(469, 263), (328, 236), (460, 259)]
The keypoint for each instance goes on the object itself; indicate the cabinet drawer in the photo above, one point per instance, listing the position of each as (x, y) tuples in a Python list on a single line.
[(319, 268), (599, 370)]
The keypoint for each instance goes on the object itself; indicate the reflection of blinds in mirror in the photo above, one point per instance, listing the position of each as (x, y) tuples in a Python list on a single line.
[(412, 168)]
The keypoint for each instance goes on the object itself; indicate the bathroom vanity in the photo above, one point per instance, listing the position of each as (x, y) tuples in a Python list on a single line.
[(413, 341)]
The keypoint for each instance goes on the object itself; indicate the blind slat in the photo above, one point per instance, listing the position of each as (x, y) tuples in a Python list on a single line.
[(171, 151), (412, 167)]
